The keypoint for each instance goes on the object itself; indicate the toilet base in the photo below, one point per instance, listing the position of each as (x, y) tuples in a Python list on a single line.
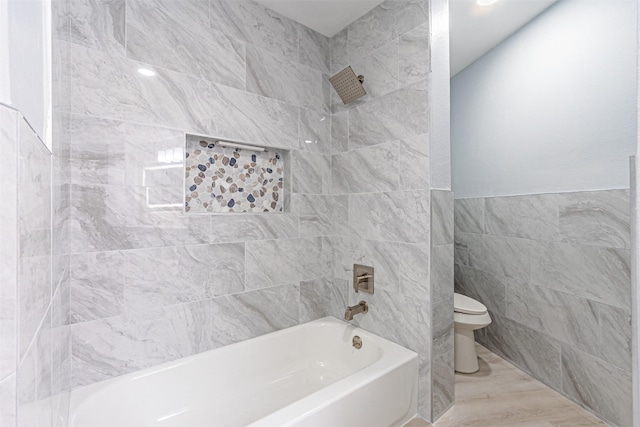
[(466, 360)]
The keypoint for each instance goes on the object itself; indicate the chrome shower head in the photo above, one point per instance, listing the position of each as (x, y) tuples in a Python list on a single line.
[(348, 85)]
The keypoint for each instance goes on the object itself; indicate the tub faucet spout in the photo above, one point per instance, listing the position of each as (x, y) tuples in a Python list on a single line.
[(361, 307)]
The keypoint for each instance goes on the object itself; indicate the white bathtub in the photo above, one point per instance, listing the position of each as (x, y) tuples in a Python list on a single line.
[(307, 375)]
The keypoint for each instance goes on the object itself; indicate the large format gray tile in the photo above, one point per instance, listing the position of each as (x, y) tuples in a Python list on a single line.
[(34, 297), (469, 216), (569, 318), (278, 78), (442, 277), (163, 276), (241, 228), (393, 216), (380, 71), (238, 115), (97, 285), (397, 115), (599, 274), (253, 23), (484, 287), (278, 262), (530, 350), (532, 217), (413, 163), (314, 49), (115, 217), (414, 55), (249, 314), (176, 35), (322, 215), (598, 385), (98, 24), (107, 348), (322, 297), (111, 87), (339, 53), (615, 336), (409, 13), (371, 31), (311, 172), (314, 133), (369, 169), (441, 217), (596, 218), (502, 256)]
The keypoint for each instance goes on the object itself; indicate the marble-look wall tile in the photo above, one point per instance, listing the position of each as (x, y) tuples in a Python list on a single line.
[(413, 163), (599, 274), (370, 169), (410, 13), (253, 23), (502, 256), (105, 348), (241, 228), (339, 132), (115, 152), (568, 318), (442, 278), (176, 35), (396, 317), (598, 385), (598, 218), (8, 401), (397, 115), (311, 173), (98, 24), (322, 215), (34, 193), (414, 55), (314, 132), (238, 115), (441, 217), (443, 386), (61, 203), (469, 215), (97, 285), (371, 31), (531, 217), (314, 49), (110, 87), (163, 276), (34, 297), (380, 71), (278, 78), (484, 287), (113, 217), (424, 385), (530, 350), (615, 336), (247, 315), (322, 297), (339, 53), (393, 216), (276, 262), (413, 266)]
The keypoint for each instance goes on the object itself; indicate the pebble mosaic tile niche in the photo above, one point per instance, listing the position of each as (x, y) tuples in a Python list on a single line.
[(223, 179)]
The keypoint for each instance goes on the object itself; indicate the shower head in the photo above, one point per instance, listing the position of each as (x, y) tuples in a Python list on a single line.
[(348, 85)]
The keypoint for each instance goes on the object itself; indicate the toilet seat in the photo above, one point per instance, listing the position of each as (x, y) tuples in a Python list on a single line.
[(466, 305)]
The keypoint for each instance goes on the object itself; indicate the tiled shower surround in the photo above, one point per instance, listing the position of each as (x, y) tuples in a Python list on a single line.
[(149, 284), (222, 179), (554, 272)]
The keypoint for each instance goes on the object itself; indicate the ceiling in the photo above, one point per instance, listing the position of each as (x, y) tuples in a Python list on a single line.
[(474, 30), (327, 17)]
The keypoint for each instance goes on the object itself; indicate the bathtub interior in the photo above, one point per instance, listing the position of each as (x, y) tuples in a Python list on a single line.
[(248, 381)]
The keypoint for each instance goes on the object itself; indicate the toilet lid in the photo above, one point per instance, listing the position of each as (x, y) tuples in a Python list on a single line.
[(464, 304)]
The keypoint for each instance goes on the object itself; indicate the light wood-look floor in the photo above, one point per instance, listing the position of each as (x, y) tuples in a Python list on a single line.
[(500, 394)]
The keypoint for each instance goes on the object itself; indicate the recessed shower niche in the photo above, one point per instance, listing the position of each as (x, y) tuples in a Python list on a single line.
[(228, 177)]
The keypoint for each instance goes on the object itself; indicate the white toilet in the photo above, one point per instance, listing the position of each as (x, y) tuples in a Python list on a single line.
[(468, 315)]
